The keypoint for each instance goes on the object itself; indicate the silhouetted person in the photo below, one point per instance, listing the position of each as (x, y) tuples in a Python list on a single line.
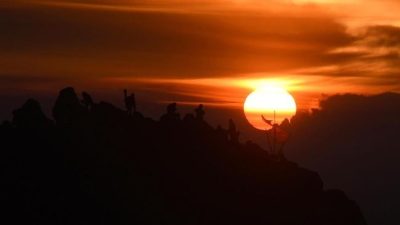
[(233, 133), (130, 102), (87, 100), (171, 115), (282, 136), (188, 118), (285, 125), (200, 112), (30, 115), (118, 170), (171, 108), (67, 108)]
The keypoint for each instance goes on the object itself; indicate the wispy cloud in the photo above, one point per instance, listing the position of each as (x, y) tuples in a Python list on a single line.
[(313, 41)]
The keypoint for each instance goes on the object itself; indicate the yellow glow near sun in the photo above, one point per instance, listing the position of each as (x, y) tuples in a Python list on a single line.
[(271, 101), (288, 83)]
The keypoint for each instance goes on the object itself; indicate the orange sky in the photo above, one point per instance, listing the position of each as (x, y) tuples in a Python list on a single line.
[(214, 52)]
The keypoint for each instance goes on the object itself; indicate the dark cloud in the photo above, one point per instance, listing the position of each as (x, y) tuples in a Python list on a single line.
[(353, 142), (382, 36), (371, 60), (85, 40), (167, 43)]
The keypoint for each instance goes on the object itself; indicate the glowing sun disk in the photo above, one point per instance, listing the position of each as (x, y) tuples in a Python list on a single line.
[(273, 102)]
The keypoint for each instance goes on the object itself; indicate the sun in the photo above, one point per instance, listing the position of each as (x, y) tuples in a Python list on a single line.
[(272, 102)]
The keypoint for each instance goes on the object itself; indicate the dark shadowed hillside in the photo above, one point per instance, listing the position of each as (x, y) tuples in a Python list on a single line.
[(97, 164)]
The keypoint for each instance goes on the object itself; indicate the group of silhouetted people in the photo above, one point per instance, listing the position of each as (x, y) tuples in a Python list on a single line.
[(94, 163)]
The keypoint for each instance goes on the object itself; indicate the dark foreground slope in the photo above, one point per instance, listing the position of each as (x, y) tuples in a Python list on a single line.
[(99, 165)]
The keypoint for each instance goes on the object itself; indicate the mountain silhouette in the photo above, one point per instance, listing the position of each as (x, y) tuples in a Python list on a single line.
[(104, 165)]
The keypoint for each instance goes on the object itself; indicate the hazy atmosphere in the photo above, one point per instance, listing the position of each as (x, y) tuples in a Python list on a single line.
[(340, 60)]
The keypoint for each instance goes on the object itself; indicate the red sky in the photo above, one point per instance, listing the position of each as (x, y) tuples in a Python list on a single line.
[(213, 52)]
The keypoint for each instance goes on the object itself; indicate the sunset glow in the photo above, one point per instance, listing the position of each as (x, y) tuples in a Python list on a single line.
[(214, 68), (204, 51)]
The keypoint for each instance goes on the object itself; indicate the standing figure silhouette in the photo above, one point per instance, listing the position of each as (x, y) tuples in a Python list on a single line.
[(200, 112), (130, 102), (87, 100), (233, 133)]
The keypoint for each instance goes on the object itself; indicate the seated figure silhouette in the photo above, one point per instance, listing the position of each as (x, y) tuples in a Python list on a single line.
[(200, 112), (188, 118), (30, 116), (87, 100), (171, 115), (232, 132), (130, 102), (67, 108)]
